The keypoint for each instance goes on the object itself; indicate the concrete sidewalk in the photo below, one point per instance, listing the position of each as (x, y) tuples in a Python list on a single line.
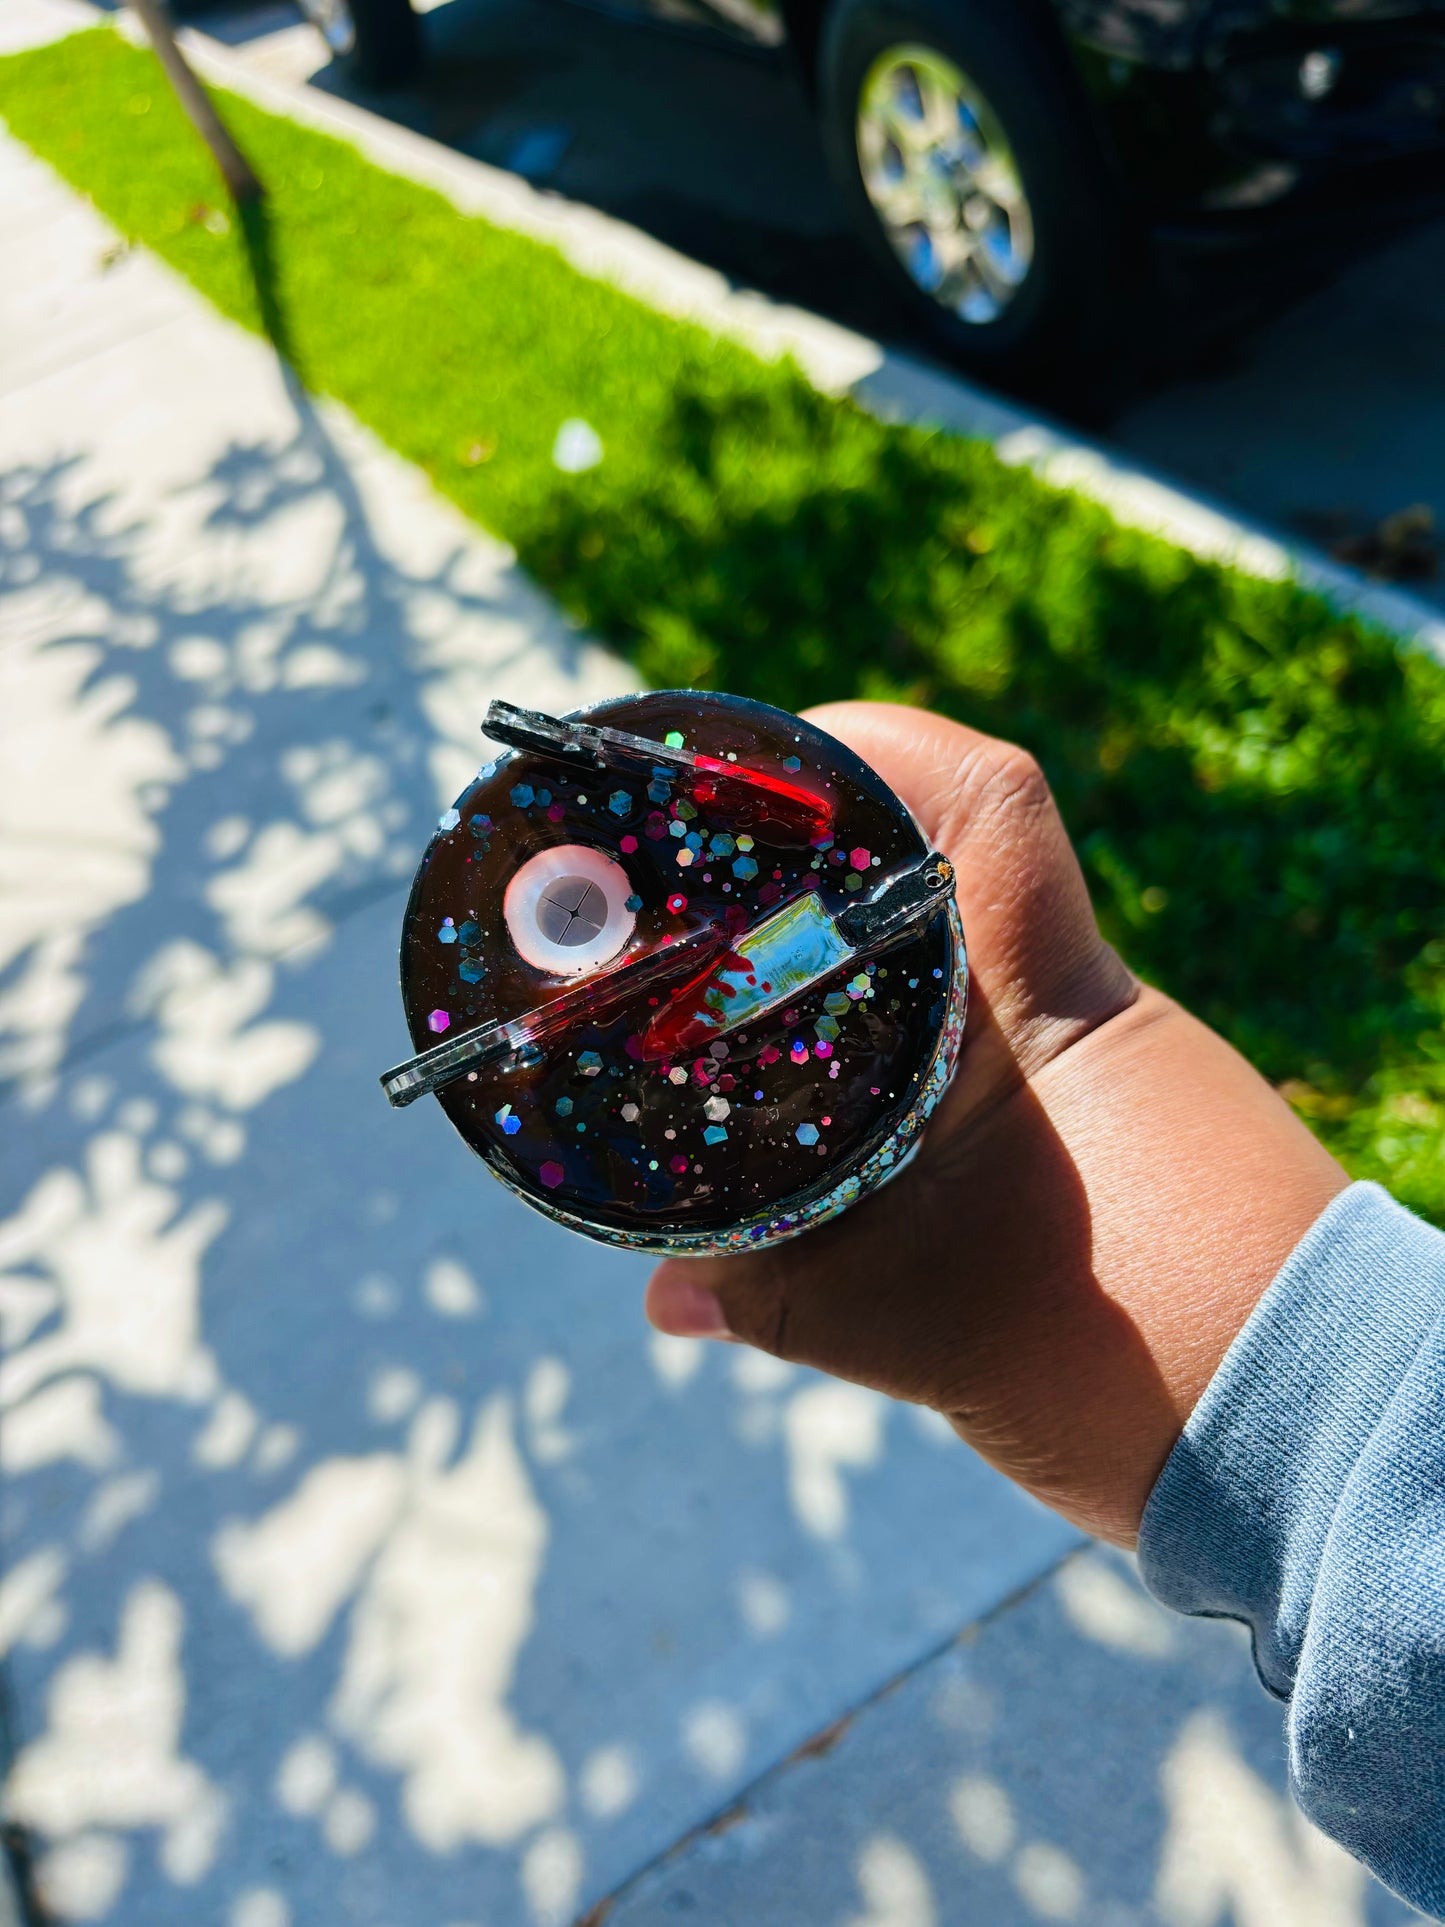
[(365, 1558)]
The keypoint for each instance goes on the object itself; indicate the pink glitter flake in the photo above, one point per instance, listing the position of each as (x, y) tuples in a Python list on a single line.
[(799, 1052), (551, 1174), (769, 1054), (677, 1165), (438, 1020), (628, 845), (860, 859), (556, 813), (677, 904), (823, 1049)]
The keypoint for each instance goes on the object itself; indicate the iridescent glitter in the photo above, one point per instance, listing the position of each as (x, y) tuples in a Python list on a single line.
[(760, 1127)]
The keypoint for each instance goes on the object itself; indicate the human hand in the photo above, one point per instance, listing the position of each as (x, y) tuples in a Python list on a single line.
[(1100, 1199)]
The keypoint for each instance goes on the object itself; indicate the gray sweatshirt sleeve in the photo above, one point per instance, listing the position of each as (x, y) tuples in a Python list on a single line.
[(1306, 1498)]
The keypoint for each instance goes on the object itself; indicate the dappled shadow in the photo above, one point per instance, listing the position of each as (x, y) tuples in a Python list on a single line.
[(257, 606), (1085, 1757), (362, 1551)]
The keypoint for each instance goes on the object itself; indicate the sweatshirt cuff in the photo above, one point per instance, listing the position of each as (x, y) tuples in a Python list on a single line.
[(1236, 1524)]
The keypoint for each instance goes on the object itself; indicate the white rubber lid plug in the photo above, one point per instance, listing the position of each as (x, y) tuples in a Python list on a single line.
[(566, 910)]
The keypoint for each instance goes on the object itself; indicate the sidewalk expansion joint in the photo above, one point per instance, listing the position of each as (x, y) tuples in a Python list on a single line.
[(821, 1743)]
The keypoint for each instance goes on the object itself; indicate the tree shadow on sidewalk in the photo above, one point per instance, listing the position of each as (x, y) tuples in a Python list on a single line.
[(424, 1571)]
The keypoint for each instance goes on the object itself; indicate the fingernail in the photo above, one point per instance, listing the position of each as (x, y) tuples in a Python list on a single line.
[(694, 1312)]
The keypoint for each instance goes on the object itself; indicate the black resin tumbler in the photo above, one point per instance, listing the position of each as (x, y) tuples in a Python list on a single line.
[(682, 969)]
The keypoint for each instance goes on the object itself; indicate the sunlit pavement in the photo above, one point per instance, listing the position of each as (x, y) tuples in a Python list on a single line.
[(366, 1560), (1084, 1756)]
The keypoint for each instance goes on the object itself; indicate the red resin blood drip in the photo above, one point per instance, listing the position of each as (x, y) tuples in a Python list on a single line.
[(753, 795), (590, 1002), (685, 1021)]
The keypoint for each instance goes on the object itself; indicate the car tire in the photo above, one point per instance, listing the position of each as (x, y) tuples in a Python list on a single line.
[(1063, 263), (377, 42)]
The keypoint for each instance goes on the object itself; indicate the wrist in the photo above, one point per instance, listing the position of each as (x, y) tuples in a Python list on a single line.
[(1201, 1182), (1135, 1200)]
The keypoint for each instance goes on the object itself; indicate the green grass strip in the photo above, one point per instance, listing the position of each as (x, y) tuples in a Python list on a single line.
[(1253, 780)]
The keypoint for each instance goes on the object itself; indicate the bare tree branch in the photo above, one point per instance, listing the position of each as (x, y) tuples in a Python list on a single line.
[(241, 182)]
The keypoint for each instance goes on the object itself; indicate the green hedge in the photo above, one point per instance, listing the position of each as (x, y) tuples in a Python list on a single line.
[(1254, 781)]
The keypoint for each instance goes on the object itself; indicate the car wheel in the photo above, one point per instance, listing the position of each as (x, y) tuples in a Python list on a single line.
[(377, 41), (965, 147)]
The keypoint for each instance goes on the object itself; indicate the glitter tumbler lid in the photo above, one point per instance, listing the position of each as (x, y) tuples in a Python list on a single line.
[(682, 970)]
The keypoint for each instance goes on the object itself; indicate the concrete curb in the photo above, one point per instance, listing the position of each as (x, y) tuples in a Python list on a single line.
[(890, 385)]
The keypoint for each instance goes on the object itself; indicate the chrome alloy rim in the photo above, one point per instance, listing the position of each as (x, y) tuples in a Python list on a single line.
[(943, 182), (332, 20)]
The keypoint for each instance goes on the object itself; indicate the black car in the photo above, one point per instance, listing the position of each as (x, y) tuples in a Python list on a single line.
[(1009, 162)]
